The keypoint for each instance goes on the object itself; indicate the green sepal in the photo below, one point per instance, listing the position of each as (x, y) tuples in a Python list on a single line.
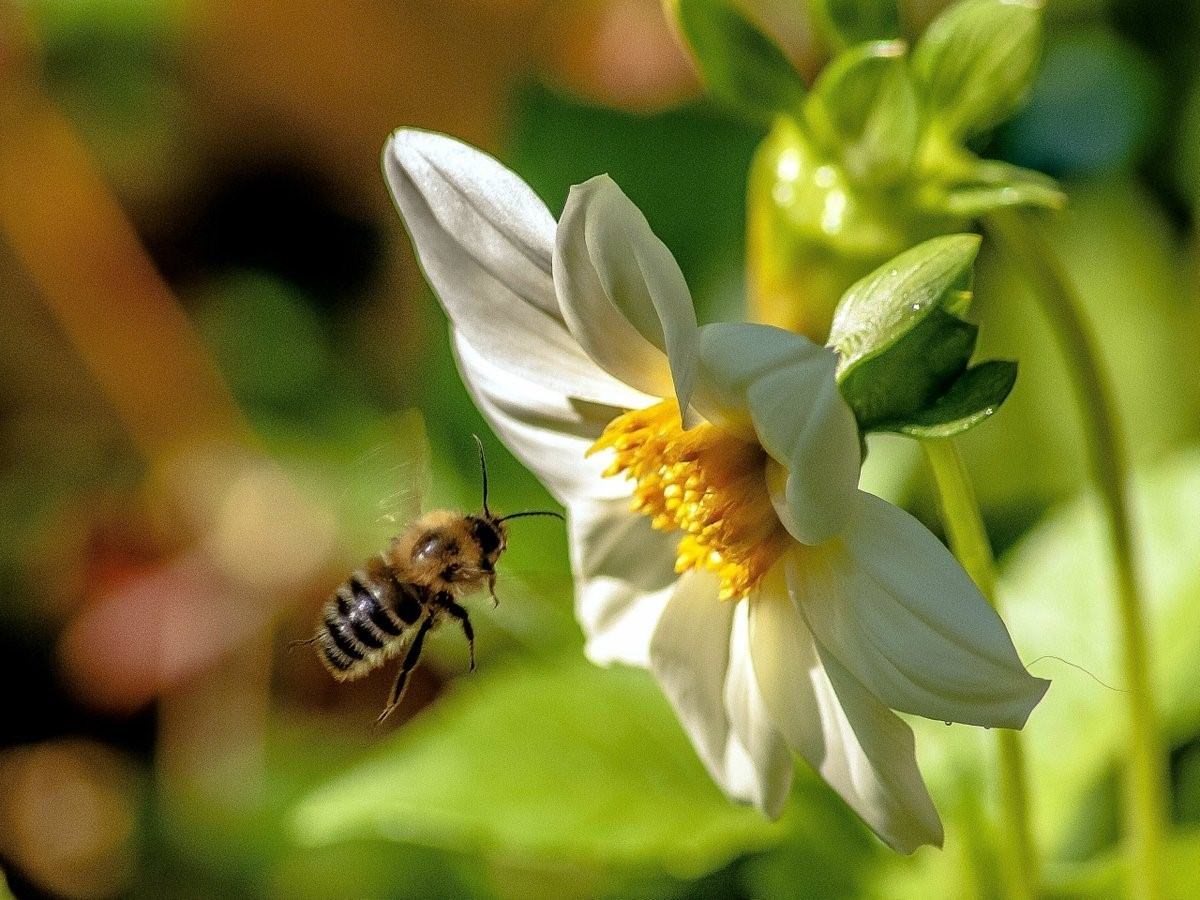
[(864, 109), (850, 22), (958, 184), (992, 185), (976, 62), (740, 65), (912, 375), (973, 397), (882, 308), (905, 347)]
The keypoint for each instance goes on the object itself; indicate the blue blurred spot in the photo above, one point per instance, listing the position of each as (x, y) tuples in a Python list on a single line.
[(1096, 106)]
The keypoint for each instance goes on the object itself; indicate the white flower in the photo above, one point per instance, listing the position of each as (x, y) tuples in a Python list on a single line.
[(782, 610)]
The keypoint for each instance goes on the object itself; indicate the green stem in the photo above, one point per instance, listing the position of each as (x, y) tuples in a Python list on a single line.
[(969, 541), (1022, 240)]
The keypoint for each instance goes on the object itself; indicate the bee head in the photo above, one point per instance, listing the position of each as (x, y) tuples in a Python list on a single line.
[(490, 535), (488, 529)]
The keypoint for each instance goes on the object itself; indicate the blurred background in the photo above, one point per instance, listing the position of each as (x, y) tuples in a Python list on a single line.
[(216, 350)]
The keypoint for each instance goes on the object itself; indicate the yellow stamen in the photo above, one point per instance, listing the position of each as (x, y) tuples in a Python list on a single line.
[(704, 482)]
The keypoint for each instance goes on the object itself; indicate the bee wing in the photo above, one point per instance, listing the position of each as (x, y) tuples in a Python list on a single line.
[(411, 492), (385, 488)]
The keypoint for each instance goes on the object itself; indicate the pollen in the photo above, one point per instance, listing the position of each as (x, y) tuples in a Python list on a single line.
[(708, 484)]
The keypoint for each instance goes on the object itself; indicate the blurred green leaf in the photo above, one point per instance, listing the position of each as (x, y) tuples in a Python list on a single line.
[(741, 66), (973, 397), (1104, 877), (268, 341), (1187, 784), (864, 108), (849, 22), (1187, 164), (828, 853), (374, 869), (565, 765), (1056, 596), (71, 19), (977, 60)]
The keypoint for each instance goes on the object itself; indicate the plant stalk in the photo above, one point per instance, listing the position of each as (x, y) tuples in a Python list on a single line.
[(1020, 237), (969, 541)]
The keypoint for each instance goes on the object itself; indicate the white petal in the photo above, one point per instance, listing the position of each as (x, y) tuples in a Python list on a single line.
[(548, 432), (624, 575), (753, 724), (858, 746), (622, 294), (689, 655), (895, 608), (486, 244), (784, 385)]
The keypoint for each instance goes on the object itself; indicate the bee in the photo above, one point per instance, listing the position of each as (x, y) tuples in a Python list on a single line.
[(387, 606)]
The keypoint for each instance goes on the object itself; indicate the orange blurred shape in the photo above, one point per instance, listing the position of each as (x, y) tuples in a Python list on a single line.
[(620, 53), (259, 526), (158, 629), (329, 81), (68, 817), (259, 543), (91, 271)]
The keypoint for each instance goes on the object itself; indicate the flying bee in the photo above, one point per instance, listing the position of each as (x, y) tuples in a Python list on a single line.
[(387, 606)]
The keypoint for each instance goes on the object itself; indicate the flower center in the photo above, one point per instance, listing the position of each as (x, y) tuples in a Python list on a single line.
[(705, 482)]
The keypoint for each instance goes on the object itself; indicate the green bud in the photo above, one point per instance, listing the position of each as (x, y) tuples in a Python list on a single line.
[(864, 110), (905, 347), (741, 66), (976, 62), (811, 234), (850, 22)]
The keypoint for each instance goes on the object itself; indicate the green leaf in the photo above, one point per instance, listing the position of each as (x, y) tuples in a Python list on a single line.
[(864, 108), (849, 22), (740, 65), (977, 60), (570, 765), (969, 400), (882, 308)]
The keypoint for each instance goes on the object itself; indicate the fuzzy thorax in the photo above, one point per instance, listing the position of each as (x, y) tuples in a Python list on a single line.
[(705, 482)]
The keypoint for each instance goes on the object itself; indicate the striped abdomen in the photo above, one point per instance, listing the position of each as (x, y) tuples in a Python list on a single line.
[(363, 622)]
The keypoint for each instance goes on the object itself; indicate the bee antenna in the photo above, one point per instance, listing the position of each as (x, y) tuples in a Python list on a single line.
[(483, 467), (532, 512)]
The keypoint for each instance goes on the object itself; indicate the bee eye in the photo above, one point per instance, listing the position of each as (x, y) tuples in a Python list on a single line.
[(485, 535), (429, 547)]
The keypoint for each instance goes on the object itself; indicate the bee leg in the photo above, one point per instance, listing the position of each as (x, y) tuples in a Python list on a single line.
[(464, 619), (411, 658), (492, 590), (292, 645)]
